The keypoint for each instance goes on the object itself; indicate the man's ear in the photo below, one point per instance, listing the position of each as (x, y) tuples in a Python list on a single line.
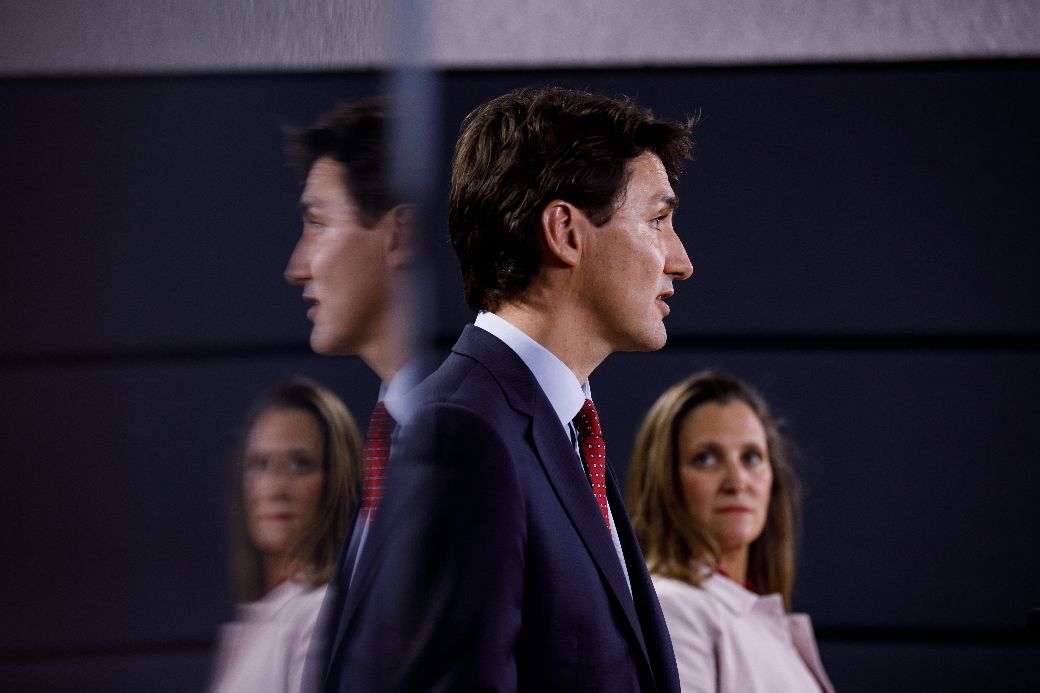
[(399, 230), (563, 227)]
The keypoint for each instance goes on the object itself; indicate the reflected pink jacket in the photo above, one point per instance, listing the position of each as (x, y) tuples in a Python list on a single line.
[(730, 640)]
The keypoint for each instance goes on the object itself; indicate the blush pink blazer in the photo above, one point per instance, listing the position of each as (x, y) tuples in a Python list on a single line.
[(730, 640)]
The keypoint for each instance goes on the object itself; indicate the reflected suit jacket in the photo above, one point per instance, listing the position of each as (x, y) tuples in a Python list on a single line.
[(489, 567)]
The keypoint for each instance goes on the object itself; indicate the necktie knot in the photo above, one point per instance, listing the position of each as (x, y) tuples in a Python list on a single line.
[(587, 420), (381, 423), (377, 454)]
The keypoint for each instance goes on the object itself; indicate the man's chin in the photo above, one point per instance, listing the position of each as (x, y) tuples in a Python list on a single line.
[(657, 345), (646, 343), (656, 338), (326, 346)]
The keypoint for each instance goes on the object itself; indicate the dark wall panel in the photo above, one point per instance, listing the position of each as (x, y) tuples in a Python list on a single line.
[(117, 511), (159, 211), (914, 667), (171, 672)]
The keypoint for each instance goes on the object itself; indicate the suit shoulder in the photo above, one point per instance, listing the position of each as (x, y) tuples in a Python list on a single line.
[(460, 435), (462, 384)]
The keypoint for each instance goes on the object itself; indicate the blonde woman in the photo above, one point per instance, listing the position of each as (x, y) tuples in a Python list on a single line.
[(713, 502), (298, 475)]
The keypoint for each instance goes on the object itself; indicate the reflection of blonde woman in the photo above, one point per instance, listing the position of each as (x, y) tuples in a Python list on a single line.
[(299, 471), (713, 500)]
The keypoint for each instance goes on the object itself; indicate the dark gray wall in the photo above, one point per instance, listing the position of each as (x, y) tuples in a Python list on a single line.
[(863, 244)]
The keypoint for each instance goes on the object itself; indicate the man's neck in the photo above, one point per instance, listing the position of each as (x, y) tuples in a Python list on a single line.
[(391, 348), (559, 330)]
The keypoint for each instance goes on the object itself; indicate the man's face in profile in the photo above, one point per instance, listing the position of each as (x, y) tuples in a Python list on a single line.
[(633, 259), (339, 263)]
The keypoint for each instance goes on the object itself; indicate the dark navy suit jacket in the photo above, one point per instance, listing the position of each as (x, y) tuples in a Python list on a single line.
[(488, 566)]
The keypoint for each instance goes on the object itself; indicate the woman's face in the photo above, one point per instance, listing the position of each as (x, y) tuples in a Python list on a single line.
[(283, 478), (725, 473)]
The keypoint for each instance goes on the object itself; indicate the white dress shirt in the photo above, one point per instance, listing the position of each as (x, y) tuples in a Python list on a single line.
[(565, 394), (394, 394)]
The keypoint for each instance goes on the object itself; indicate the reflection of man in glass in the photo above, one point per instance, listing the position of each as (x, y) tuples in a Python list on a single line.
[(352, 261), (507, 565), (356, 240)]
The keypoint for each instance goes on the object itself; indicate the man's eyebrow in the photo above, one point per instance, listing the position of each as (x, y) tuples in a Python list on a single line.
[(671, 201), (305, 206)]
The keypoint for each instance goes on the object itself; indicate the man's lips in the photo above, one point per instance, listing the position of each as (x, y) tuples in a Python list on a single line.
[(661, 300), (314, 305)]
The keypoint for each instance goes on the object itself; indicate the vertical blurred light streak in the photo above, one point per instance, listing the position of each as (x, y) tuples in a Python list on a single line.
[(413, 86)]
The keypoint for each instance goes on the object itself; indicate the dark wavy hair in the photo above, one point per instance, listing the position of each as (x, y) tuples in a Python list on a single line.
[(520, 151), (356, 135), (674, 543)]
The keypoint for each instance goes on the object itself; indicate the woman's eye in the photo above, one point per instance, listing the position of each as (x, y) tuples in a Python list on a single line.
[(302, 465), (752, 458), (703, 459)]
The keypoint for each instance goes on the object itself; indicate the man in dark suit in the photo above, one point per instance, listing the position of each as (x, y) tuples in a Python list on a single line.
[(503, 558)]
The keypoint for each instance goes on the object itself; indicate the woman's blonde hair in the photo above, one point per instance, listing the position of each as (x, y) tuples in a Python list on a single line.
[(319, 547), (674, 543)]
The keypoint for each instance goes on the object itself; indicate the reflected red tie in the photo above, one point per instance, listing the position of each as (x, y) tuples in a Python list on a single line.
[(377, 452), (594, 452)]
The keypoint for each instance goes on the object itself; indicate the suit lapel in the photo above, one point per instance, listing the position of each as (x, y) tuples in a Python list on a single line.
[(562, 467), (643, 592), (357, 586), (559, 462), (338, 616)]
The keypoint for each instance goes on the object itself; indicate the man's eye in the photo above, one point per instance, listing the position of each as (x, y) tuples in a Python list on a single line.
[(655, 224)]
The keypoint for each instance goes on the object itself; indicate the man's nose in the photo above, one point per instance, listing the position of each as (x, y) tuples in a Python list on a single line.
[(296, 272), (679, 265)]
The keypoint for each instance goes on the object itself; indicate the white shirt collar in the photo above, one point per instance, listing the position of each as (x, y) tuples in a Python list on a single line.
[(395, 394), (558, 382)]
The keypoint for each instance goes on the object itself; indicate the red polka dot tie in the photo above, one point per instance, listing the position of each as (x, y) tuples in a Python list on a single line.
[(594, 452), (377, 453)]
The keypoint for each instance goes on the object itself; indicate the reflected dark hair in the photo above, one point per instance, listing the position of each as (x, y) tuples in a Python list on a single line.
[(356, 135), (520, 151), (674, 543), (319, 547)]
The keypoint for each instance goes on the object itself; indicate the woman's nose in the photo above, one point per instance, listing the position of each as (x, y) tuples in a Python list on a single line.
[(736, 476)]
